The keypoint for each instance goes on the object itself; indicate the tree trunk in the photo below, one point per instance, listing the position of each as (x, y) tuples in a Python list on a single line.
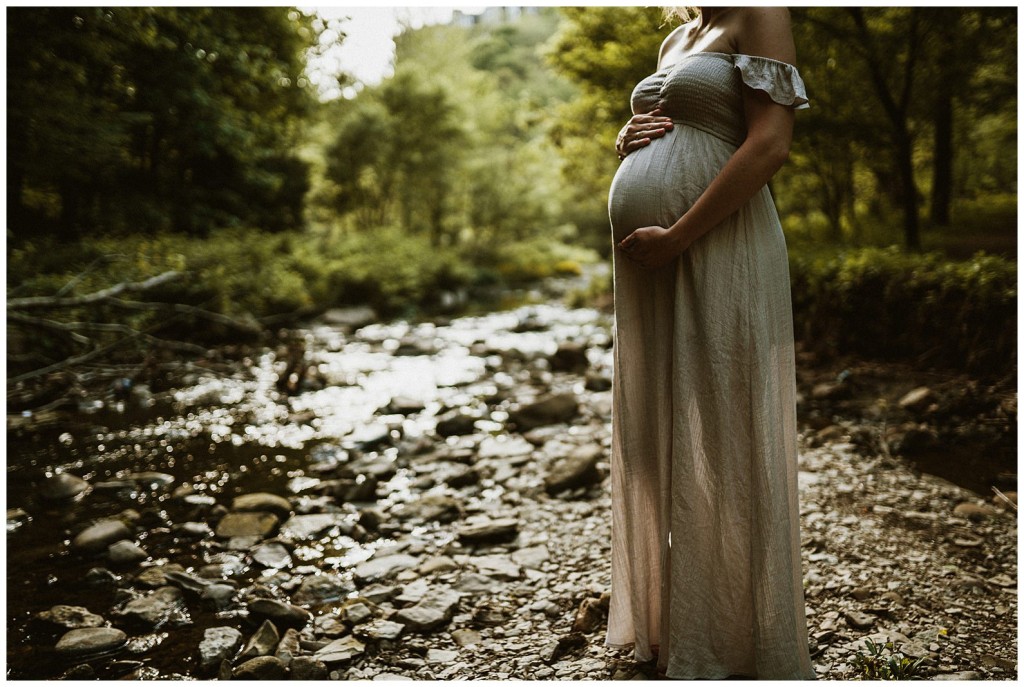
[(942, 169), (908, 197)]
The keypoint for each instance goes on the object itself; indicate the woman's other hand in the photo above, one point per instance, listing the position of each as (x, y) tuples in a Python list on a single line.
[(651, 247), (639, 131)]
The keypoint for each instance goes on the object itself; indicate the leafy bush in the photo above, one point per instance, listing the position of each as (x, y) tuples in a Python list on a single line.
[(883, 303)]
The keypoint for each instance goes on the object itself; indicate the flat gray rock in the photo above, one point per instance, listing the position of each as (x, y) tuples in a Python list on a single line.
[(502, 529), (382, 568), (219, 644), (380, 629), (578, 469), (431, 612), (319, 589), (101, 535), (70, 617), (497, 566), (164, 606), (272, 556), (91, 640), (531, 556), (340, 651)]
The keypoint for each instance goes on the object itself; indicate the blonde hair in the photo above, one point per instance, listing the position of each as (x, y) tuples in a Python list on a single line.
[(681, 14)]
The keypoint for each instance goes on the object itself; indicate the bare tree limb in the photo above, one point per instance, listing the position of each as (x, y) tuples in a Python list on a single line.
[(105, 294)]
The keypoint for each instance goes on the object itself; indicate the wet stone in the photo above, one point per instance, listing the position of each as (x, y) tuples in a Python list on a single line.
[(303, 527), (319, 589), (340, 651), (377, 569), (126, 552), (192, 530), (433, 507), (262, 502), (456, 424), (219, 644), (218, 596), (261, 668), (62, 487), (282, 614), (502, 529), (357, 613), (262, 643), (578, 469), (288, 648), (380, 629), (307, 668), (858, 620), (70, 617), (550, 410), (260, 524), (91, 640), (163, 606), (531, 556), (101, 535), (498, 567), (272, 556), (431, 612), (378, 593), (466, 637), (156, 576)]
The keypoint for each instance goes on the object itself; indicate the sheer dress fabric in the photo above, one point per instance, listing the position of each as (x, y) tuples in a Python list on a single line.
[(705, 515)]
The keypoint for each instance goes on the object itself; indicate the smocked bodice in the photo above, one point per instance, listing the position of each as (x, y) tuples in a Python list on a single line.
[(704, 90)]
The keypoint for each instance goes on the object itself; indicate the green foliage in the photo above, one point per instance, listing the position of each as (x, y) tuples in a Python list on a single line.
[(882, 303), (883, 662), (142, 118)]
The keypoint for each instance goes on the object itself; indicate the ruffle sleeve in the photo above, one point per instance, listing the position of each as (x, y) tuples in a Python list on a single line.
[(780, 80)]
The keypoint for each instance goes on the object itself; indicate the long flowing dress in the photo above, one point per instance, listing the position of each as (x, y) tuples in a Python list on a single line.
[(705, 514)]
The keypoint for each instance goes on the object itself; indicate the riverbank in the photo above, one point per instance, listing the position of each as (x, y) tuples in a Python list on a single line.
[(431, 501)]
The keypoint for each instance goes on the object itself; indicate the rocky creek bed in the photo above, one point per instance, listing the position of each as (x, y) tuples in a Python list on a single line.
[(432, 502)]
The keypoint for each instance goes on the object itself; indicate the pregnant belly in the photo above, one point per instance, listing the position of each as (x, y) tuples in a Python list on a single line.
[(658, 183)]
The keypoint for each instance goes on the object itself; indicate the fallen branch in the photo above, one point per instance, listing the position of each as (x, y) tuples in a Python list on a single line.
[(32, 302), (182, 309), (1005, 499), (71, 328)]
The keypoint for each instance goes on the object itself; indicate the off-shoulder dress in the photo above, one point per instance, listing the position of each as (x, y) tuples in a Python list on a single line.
[(705, 516)]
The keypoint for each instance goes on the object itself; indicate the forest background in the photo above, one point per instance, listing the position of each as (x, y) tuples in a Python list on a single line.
[(143, 141)]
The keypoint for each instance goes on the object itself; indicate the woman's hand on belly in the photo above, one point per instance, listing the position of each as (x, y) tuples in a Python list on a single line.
[(639, 131), (652, 247)]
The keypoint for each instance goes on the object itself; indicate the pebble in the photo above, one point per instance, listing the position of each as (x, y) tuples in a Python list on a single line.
[(62, 487), (99, 536), (91, 640), (272, 556), (249, 524), (589, 616), (501, 529), (549, 410), (858, 620), (466, 637), (271, 503), (126, 552), (282, 614), (435, 656), (299, 528)]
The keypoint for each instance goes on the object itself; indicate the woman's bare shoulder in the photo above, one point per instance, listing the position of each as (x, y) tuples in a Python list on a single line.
[(765, 31)]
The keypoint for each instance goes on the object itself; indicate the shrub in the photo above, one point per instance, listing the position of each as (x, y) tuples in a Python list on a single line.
[(882, 303)]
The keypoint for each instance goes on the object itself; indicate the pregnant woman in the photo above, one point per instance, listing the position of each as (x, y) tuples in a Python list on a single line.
[(706, 572)]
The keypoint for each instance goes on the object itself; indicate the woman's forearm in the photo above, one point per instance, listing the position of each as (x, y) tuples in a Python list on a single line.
[(747, 171)]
